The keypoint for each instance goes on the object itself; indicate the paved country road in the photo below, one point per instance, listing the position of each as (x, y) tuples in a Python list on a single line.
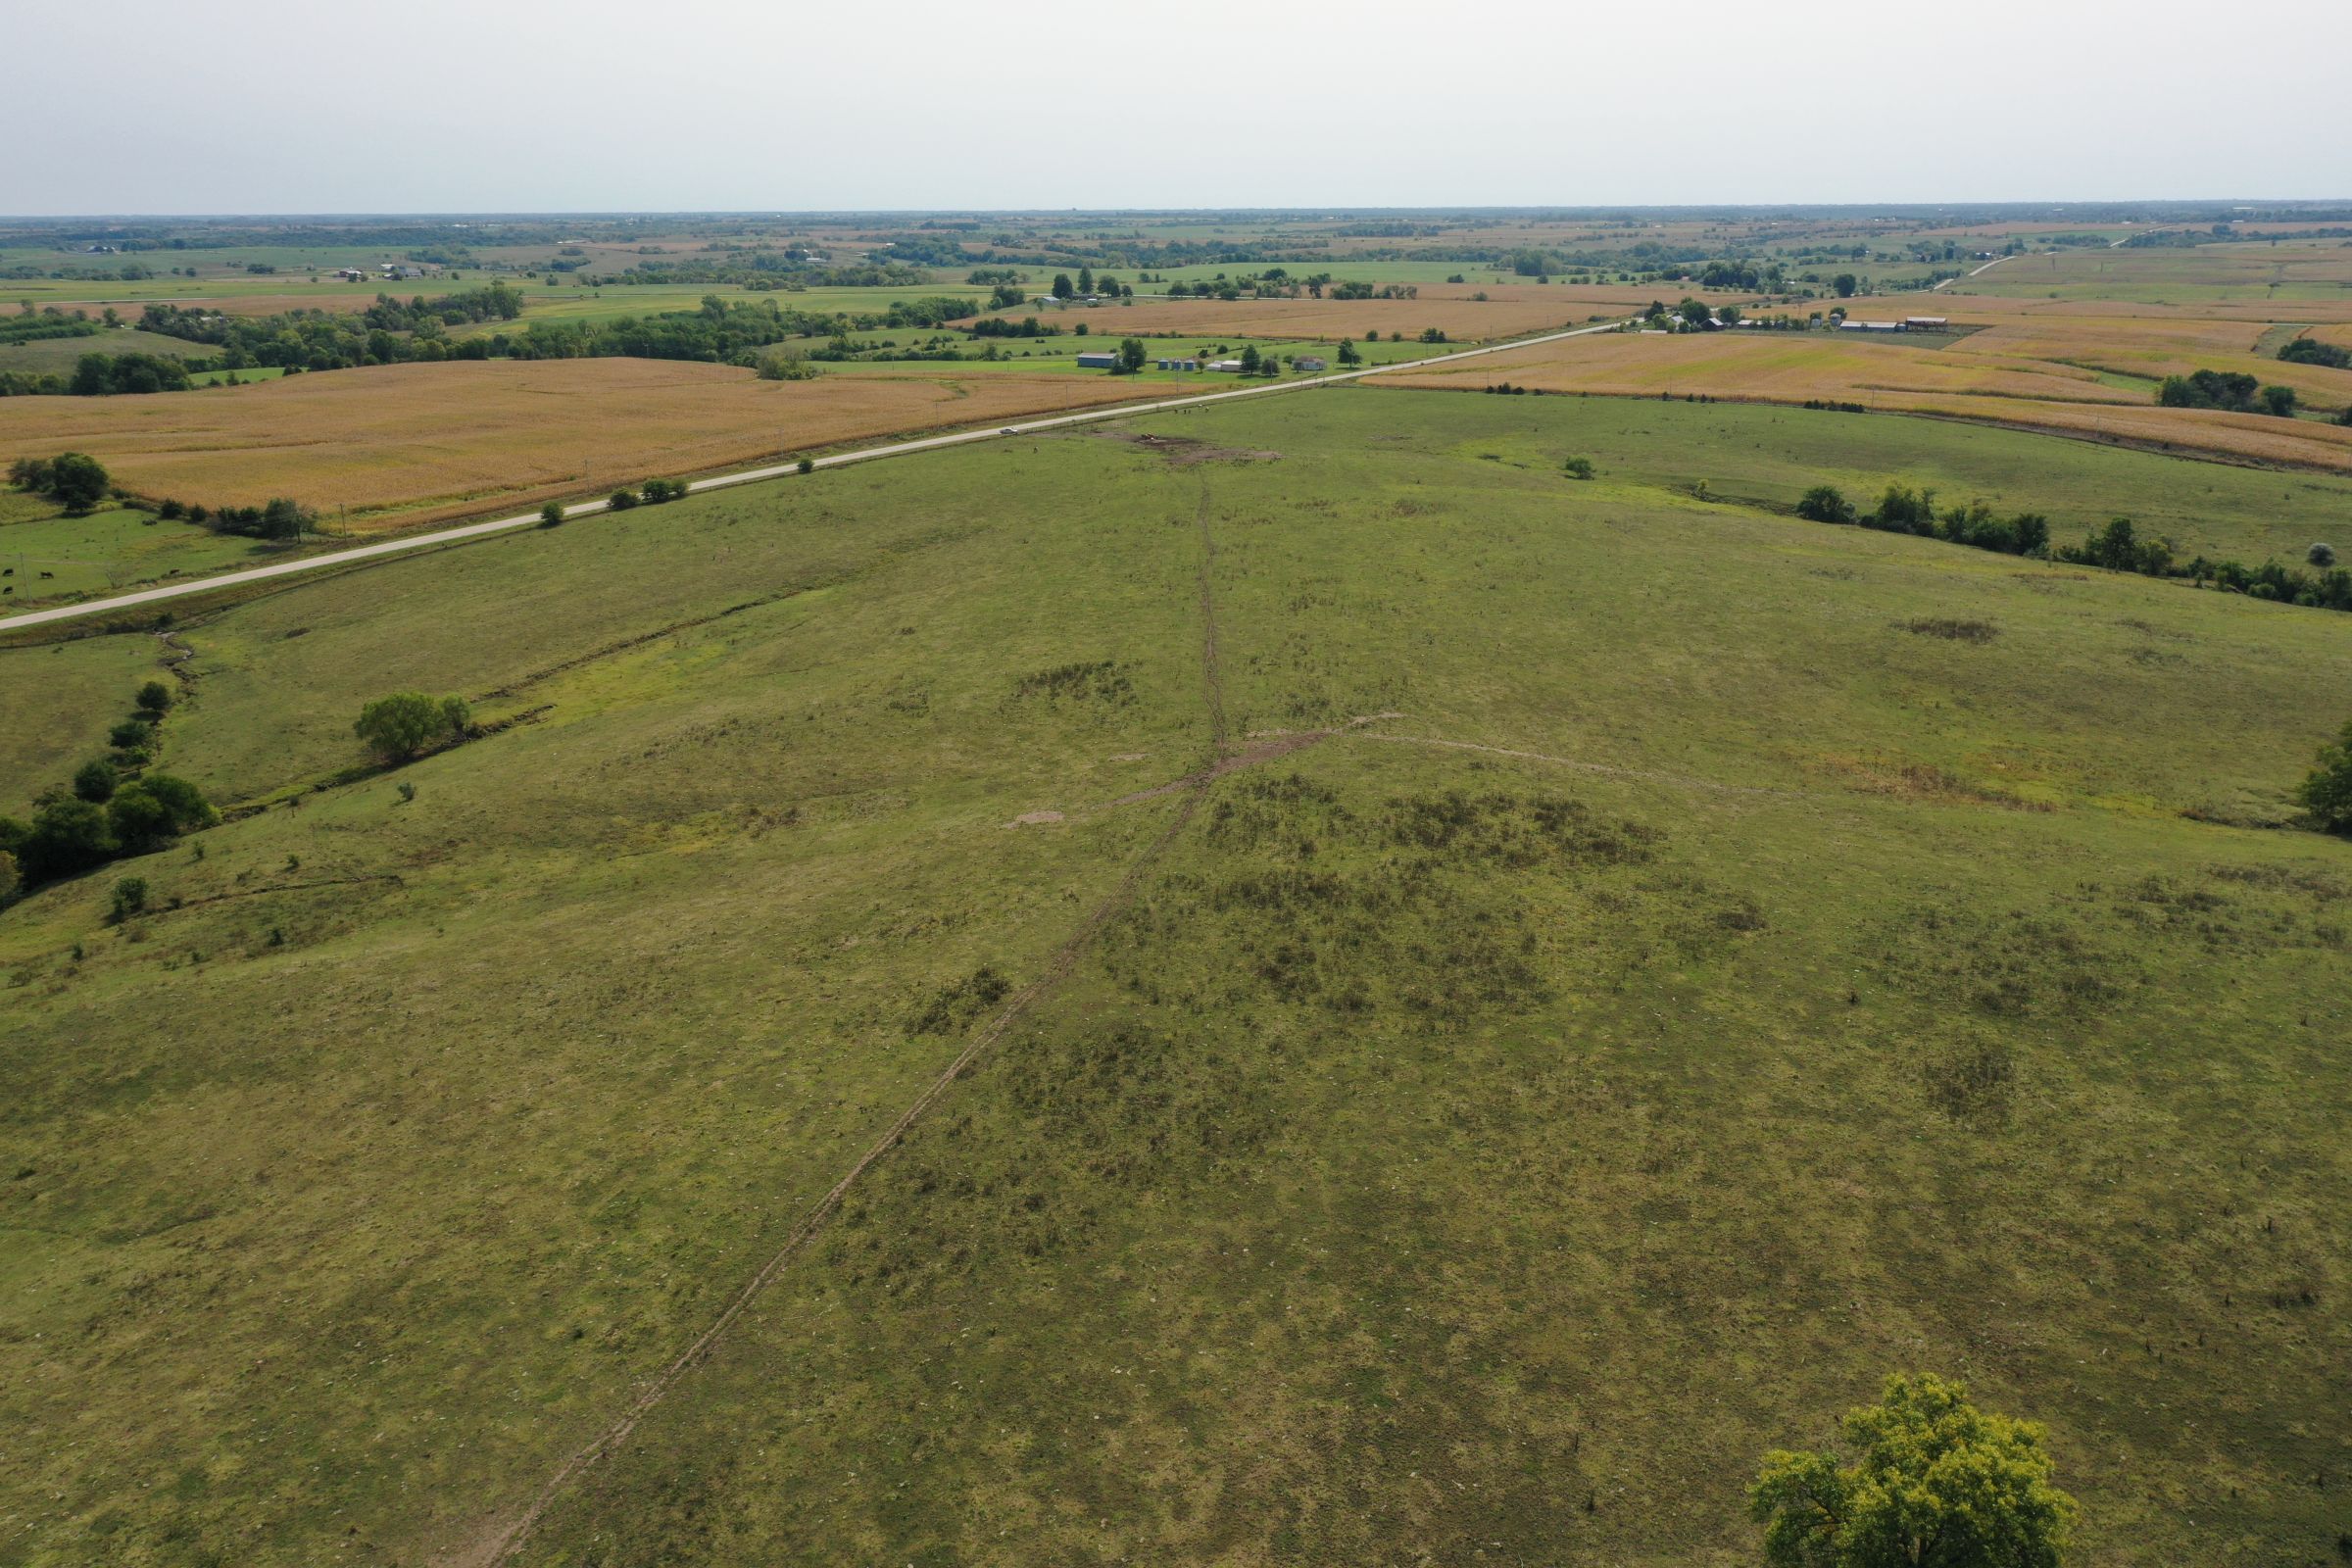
[(779, 470)]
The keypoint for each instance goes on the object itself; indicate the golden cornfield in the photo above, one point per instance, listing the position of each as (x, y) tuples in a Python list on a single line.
[(403, 444)]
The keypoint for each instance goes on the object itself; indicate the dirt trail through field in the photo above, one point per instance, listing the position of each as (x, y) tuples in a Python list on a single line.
[(1684, 780), (499, 1541), (1211, 679)]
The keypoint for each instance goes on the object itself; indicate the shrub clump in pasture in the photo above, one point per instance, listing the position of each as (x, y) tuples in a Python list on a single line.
[(2328, 791), (1103, 680), (1958, 631), (401, 725)]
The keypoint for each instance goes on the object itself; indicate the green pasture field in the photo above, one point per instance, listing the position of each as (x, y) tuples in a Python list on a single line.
[(612, 301), (2237, 272), (1062, 353), (1838, 958), (112, 551), (216, 275), (57, 356), (1758, 454), (1344, 268)]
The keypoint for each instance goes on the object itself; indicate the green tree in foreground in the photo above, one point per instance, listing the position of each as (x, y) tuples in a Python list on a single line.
[(551, 515), (399, 726), (1131, 355), (2329, 789), (154, 696), (95, 781), (1935, 1482)]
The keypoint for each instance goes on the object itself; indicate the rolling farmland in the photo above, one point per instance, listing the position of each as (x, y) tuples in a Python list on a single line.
[(2052, 366), (1462, 320), (1363, 978), (1423, 1115), (407, 444)]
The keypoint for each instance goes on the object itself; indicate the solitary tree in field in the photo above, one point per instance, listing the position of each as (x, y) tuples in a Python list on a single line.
[(1843, 284), (2320, 555), (1061, 286), (551, 515), (1131, 355), (399, 726), (1349, 353), (1933, 1482), (2329, 790)]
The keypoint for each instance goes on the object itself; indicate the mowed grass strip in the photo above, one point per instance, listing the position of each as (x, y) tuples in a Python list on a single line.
[(403, 444)]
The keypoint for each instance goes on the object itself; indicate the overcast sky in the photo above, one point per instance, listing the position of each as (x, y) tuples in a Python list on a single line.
[(343, 106)]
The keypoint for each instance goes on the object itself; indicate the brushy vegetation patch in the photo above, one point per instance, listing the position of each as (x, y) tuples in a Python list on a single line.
[(1103, 680), (1951, 630), (1430, 907), (957, 1006)]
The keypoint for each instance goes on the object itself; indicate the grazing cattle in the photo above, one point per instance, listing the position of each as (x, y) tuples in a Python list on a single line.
[(48, 573)]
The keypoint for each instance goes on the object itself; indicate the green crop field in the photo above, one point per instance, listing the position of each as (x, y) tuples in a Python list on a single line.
[(1489, 1001)]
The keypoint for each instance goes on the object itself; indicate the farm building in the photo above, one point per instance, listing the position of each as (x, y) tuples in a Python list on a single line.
[(1098, 360), (1310, 362), (1927, 323), (1180, 364), (351, 275), (1226, 367), (1870, 327)]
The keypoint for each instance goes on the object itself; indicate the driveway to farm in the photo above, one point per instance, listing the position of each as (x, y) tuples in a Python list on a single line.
[(780, 471), (1986, 268)]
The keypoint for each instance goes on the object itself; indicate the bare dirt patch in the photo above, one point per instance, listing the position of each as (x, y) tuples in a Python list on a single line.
[(1183, 451)]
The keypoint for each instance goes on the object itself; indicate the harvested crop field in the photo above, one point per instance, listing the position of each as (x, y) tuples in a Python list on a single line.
[(403, 444), (1462, 320), (1778, 367), (1897, 376)]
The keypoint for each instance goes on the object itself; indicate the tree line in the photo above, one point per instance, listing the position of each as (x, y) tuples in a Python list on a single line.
[(112, 809), (2118, 546), (2230, 390)]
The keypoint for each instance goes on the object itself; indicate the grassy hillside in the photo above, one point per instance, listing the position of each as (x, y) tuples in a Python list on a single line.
[(1626, 970), (57, 356)]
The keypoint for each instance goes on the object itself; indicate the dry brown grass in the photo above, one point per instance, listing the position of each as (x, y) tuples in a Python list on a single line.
[(1775, 367), (1462, 319), (1796, 368), (405, 444)]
